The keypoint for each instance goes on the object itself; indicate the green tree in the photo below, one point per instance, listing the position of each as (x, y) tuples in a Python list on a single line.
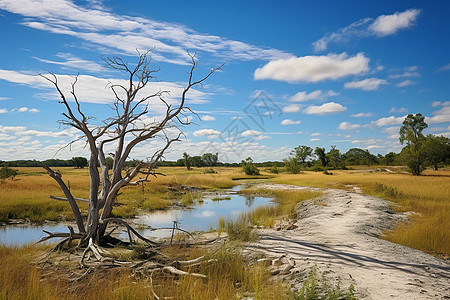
[(187, 160), (79, 162), (390, 159), (357, 156), (320, 152), (210, 159), (292, 165), (197, 161), (248, 167), (302, 153), (412, 154), (436, 150), (109, 162), (334, 158), (412, 128)]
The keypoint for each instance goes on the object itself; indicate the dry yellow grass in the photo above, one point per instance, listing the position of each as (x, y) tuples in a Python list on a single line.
[(27, 196), (429, 196), (228, 275)]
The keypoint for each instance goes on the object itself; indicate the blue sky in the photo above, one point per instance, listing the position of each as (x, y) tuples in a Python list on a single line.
[(316, 73)]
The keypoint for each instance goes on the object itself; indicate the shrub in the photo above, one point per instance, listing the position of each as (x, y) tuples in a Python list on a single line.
[(6, 172), (248, 167), (292, 165), (274, 170)]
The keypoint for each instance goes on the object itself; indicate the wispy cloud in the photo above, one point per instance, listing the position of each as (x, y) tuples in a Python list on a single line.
[(368, 84), (406, 82), (362, 115), (444, 68), (383, 25), (398, 110), (73, 62), (95, 89), (100, 28), (317, 94), (389, 121)]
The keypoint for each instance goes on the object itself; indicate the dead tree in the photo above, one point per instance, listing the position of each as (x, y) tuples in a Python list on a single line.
[(125, 130)]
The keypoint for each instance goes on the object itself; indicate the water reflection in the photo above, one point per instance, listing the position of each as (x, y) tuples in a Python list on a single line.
[(21, 235), (201, 217), (249, 200)]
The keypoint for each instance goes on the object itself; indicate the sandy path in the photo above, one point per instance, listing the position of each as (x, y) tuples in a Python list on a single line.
[(339, 238)]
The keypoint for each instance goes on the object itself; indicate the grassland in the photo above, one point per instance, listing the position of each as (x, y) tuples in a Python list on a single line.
[(229, 275), (427, 196), (27, 196)]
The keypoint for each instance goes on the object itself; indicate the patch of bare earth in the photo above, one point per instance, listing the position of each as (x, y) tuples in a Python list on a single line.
[(338, 234)]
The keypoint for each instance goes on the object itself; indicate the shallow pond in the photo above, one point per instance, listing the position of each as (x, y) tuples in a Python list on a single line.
[(200, 217)]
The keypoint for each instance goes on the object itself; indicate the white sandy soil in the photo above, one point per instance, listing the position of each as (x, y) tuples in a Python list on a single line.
[(338, 233)]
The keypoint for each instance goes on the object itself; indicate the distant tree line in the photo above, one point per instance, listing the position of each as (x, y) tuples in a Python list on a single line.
[(419, 152)]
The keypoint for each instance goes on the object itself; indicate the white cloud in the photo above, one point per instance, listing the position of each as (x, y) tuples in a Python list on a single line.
[(25, 109), (102, 29), (73, 62), (444, 68), (326, 108), (208, 118), (4, 98), (389, 121), (261, 137), (94, 89), (440, 116), (289, 122), (313, 68), (291, 108), (398, 110), (348, 126), (375, 147), (362, 115), (407, 74), (382, 26), (317, 94), (405, 83), (366, 142), (436, 103), (314, 140), (207, 132), (3, 110), (316, 134), (389, 24), (357, 28), (368, 84), (6, 129), (250, 132)]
